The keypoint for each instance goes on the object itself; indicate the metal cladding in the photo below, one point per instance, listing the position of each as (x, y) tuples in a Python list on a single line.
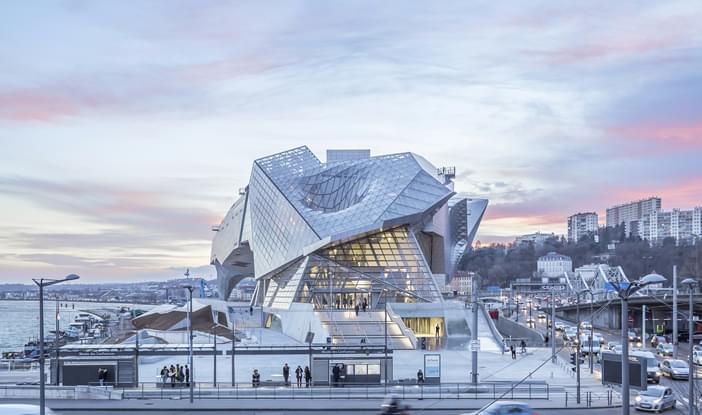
[(356, 227)]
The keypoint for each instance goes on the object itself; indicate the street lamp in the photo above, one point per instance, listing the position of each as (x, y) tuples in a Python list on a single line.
[(691, 284), (592, 326), (624, 291), (41, 283), (190, 289)]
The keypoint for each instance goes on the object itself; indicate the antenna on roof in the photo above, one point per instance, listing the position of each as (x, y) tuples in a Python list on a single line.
[(448, 173)]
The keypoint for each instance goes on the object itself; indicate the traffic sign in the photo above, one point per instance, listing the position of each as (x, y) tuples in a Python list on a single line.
[(475, 345)]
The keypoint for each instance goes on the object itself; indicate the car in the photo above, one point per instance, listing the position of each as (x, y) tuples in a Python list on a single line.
[(505, 408), (675, 369), (585, 325), (541, 316), (560, 326), (531, 323), (657, 339), (570, 334), (15, 409), (633, 337), (697, 357), (655, 398), (664, 349), (585, 346)]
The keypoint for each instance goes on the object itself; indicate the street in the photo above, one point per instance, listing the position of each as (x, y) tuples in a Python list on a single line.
[(602, 411)]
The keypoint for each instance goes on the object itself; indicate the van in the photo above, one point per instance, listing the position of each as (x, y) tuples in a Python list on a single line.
[(653, 373)]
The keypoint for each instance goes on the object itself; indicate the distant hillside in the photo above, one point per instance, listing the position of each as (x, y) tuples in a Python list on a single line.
[(499, 264)]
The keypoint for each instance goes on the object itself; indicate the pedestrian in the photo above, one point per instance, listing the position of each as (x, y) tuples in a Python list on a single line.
[(178, 373), (356, 309), (172, 375), (438, 330), (251, 310), (255, 378), (504, 346), (513, 351), (105, 373), (344, 302), (336, 373), (420, 377), (286, 373), (546, 339), (338, 302), (365, 304), (298, 376), (308, 376), (523, 346), (164, 375), (187, 375), (101, 380)]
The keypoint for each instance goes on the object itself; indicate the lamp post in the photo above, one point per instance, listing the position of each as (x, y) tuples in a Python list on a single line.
[(577, 348), (56, 341), (190, 289), (234, 352), (592, 326), (691, 284), (385, 301), (41, 283), (624, 291)]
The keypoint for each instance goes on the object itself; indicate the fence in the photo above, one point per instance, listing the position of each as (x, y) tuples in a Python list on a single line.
[(494, 390)]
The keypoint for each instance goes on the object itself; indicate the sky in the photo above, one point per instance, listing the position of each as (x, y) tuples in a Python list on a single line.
[(127, 128)]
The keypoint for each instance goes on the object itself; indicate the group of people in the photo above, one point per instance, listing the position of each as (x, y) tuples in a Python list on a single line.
[(343, 303), (176, 375), (300, 374), (102, 375), (338, 371), (513, 350)]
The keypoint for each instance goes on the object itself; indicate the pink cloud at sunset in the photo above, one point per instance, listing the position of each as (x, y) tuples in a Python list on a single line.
[(679, 137)]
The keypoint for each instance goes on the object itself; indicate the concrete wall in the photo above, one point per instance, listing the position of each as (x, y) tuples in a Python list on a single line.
[(509, 328)]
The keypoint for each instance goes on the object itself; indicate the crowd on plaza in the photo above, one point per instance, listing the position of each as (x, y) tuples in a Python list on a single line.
[(175, 375), (300, 374)]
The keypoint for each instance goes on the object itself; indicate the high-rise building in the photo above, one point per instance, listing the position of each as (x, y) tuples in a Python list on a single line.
[(631, 212), (581, 224), (681, 225)]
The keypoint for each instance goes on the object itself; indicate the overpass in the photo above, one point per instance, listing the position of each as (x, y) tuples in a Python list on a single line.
[(659, 310)]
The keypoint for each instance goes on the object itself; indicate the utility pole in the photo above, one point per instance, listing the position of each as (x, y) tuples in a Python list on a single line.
[(577, 348), (474, 331), (675, 314), (691, 284), (643, 325), (553, 324)]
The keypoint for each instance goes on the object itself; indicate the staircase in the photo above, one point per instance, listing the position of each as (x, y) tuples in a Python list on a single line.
[(348, 329)]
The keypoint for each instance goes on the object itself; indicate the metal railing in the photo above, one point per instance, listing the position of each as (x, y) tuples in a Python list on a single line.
[(271, 390)]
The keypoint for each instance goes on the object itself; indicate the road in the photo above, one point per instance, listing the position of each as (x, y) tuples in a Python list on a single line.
[(679, 387), (603, 411)]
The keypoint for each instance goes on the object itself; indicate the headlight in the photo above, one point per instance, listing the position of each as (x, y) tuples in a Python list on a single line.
[(675, 372), (657, 401), (638, 399), (658, 373)]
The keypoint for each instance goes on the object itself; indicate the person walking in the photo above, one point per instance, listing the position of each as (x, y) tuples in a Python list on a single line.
[(438, 330), (286, 373), (338, 303), (255, 378), (164, 375), (513, 351), (345, 302), (364, 305), (251, 310), (504, 346), (522, 344), (356, 309), (420, 377), (100, 374), (308, 376), (298, 376), (336, 373), (187, 375)]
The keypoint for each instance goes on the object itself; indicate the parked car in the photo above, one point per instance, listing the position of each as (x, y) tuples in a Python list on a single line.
[(505, 408), (655, 398), (657, 339), (15, 409), (697, 357), (675, 369)]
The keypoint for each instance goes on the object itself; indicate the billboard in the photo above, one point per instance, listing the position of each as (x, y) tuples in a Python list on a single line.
[(612, 370)]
